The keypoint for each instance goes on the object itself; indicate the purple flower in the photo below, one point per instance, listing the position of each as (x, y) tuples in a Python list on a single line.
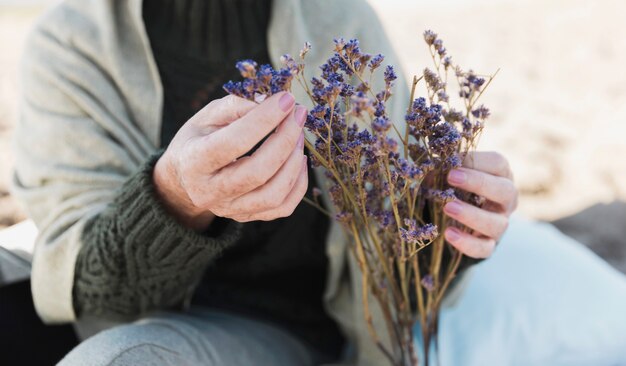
[(365, 138), (390, 75), (428, 283), (281, 80), (427, 166), (360, 103), (385, 219), (444, 196), (340, 44), (445, 139), (467, 128), (452, 162), (314, 124), (453, 115), (344, 216), (433, 80), (352, 49), (443, 96), (336, 195), (247, 68), (441, 50), (380, 109), (481, 112), (234, 88), (409, 170), (381, 124), (414, 235), (376, 62), (430, 37)]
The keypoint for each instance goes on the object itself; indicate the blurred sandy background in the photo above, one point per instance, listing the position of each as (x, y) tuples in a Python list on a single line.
[(558, 103)]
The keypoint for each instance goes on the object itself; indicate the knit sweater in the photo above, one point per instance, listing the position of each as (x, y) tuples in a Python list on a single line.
[(274, 271)]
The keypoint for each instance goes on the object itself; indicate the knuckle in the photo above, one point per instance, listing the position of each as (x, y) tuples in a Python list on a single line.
[(287, 186), (216, 102), (249, 180), (267, 217), (287, 210), (486, 249), (222, 187), (501, 163), (515, 202), (196, 200), (242, 219), (509, 191), (216, 147), (222, 103), (219, 211), (504, 225), (275, 162), (274, 198), (284, 145), (268, 119), (476, 180), (265, 202)]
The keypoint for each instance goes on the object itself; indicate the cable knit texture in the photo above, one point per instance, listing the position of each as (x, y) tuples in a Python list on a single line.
[(149, 259)]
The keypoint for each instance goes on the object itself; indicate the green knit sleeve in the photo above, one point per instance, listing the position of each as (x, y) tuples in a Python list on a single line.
[(135, 257)]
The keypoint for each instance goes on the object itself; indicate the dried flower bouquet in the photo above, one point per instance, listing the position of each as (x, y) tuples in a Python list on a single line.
[(388, 185)]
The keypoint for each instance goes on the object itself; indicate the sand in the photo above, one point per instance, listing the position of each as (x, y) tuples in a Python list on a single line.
[(558, 103)]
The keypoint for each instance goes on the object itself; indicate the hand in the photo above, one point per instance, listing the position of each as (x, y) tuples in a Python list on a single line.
[(204, 174), (488, 175)]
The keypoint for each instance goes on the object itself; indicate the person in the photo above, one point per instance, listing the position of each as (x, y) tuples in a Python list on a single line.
[(154, 212)]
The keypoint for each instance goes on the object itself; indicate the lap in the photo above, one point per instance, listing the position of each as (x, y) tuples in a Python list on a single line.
[(195, 338), (542, 299)]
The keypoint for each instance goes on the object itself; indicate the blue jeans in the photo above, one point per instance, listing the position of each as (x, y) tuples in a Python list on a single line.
[(541, 299), (198, 337)]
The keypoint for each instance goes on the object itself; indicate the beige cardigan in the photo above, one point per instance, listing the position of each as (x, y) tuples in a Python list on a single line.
[(91, 114)]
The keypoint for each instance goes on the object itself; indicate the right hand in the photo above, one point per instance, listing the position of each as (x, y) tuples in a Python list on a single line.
[(204, 174)]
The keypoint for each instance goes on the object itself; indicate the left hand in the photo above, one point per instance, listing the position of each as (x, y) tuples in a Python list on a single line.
[(488, 175)]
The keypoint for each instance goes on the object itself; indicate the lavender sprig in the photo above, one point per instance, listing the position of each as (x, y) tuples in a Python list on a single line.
[(388, 192)]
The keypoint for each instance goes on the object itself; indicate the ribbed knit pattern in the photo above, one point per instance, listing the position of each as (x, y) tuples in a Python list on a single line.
[(196, 44), (136, 257)]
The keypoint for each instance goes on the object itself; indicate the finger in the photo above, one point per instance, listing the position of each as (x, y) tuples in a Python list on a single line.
[(489, 162), (223, 111), (289, 204), (468, 244), (494, 188), (272, 194), (270, 156), (239, 137), (488, 223)]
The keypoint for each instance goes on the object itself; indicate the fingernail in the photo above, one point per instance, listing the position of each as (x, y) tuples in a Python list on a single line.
[(286, 102), (300, 143), (301, 115), (457, 177), (452, 234), (453, 208)]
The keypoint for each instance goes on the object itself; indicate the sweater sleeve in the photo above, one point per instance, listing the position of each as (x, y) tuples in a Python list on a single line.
[(136, 257)]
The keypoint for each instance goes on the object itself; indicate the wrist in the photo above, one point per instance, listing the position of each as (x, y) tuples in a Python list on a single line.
[(175, 199)]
